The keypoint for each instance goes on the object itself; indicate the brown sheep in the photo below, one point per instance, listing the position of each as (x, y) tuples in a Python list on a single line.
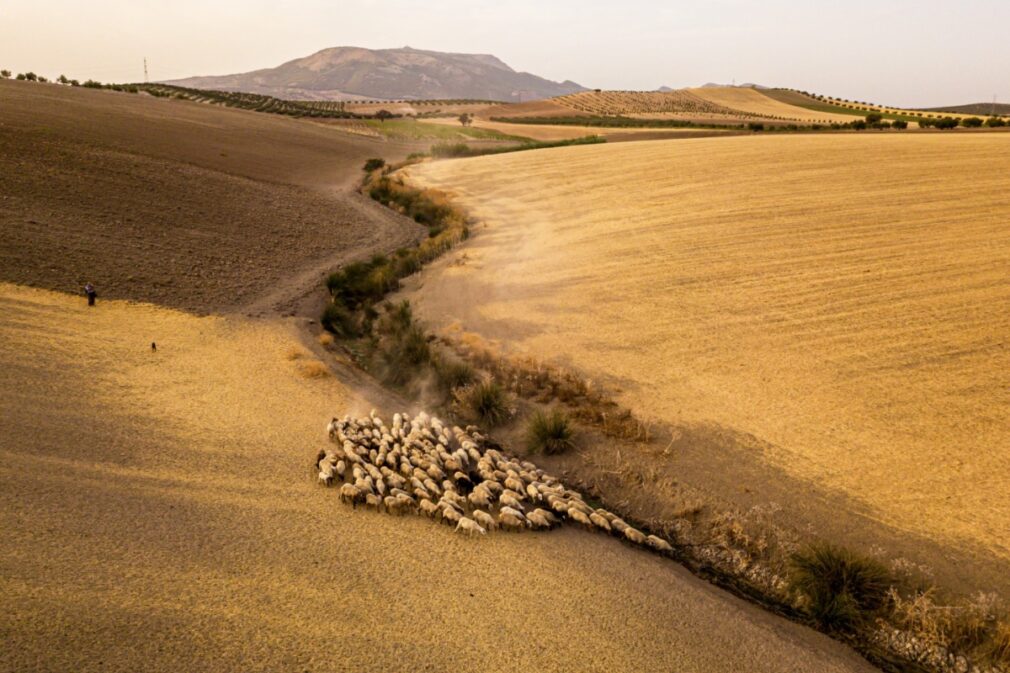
[(350, 494)]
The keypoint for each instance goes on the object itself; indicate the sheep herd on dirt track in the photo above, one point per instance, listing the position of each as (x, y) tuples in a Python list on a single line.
[(419, 465)]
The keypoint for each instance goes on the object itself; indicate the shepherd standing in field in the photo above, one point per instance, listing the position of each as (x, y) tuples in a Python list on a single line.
[(89, 290)]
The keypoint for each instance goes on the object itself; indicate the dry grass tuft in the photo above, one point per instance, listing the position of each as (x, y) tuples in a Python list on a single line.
[(485, 402), (549, 432), (313, 369), (294, 353), (325, 339)]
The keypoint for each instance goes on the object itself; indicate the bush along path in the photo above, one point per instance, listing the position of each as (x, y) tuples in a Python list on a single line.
[(886, 612)]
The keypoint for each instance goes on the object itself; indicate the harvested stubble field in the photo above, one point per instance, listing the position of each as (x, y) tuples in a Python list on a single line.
[(755, 102), (841, 299), (729, 105), (157, 513)]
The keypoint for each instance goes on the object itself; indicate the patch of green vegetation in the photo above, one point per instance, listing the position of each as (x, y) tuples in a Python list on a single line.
[(821, 104), (614, 122), (408, 129), (454, 150)]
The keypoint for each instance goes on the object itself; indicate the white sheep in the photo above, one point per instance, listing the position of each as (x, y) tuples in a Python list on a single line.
[(600, 521), (634, 535), (659, 544), (469, 526), (484, 519)]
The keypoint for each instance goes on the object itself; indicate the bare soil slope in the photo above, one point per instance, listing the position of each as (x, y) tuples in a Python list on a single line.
[(841, 298), (180, 203), (157, 514)]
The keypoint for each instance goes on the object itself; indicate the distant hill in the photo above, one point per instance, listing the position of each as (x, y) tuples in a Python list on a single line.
[(981, 109), (745, 85), (354, 73)]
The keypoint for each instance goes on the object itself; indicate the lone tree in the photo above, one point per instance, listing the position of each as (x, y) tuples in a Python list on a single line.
[(465, 119), (874, 118), (383, 115), (62, 79), (5, 74)]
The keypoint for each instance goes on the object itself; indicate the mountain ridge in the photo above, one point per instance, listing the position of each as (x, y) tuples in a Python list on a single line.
[(357, 73)]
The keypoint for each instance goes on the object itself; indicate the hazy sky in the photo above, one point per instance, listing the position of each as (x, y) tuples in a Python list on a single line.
[(899, 52)]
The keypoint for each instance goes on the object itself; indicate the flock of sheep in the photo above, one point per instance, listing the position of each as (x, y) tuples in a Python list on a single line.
[(419, 465)]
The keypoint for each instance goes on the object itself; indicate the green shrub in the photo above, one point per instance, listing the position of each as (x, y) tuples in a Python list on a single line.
[(946, 123), (874, 118), (404, 354), (449, 150), (485, 402), (756, 126), (549, 432), (5, 74), (900, 124), (995, 122), (971, 122), (373, 165), (399, 318), (337, 319), (842, 589), (859, 125)]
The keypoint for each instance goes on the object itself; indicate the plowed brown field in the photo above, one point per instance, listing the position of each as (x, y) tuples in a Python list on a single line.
[(842, 298)]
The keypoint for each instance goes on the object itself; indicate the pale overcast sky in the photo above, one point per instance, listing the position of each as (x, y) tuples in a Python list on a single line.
[(899, 52)]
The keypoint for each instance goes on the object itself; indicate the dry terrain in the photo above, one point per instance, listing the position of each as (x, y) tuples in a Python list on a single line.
[(157, 511), (724, 105), (755, 102), (180, 203), (839, 300), (158, 514)]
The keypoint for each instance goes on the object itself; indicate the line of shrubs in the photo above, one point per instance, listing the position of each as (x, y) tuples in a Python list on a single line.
[(455, 150), (358, 287)]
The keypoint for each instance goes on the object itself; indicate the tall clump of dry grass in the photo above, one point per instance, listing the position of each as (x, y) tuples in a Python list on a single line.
[(973, 628)]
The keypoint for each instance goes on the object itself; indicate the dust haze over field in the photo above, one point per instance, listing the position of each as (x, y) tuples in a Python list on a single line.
[(158, 514), (842, 298), (158, 510)]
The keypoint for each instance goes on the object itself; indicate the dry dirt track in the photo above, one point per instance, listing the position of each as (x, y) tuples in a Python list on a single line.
[(180, 203), (156, 514), (842, 298)]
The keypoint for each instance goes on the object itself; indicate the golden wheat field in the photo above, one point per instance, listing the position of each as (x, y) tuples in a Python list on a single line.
[(157, 513), (843, 298), (756, 103)]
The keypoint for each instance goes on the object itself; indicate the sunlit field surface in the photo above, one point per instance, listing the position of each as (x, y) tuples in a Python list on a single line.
[(843, 298)]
